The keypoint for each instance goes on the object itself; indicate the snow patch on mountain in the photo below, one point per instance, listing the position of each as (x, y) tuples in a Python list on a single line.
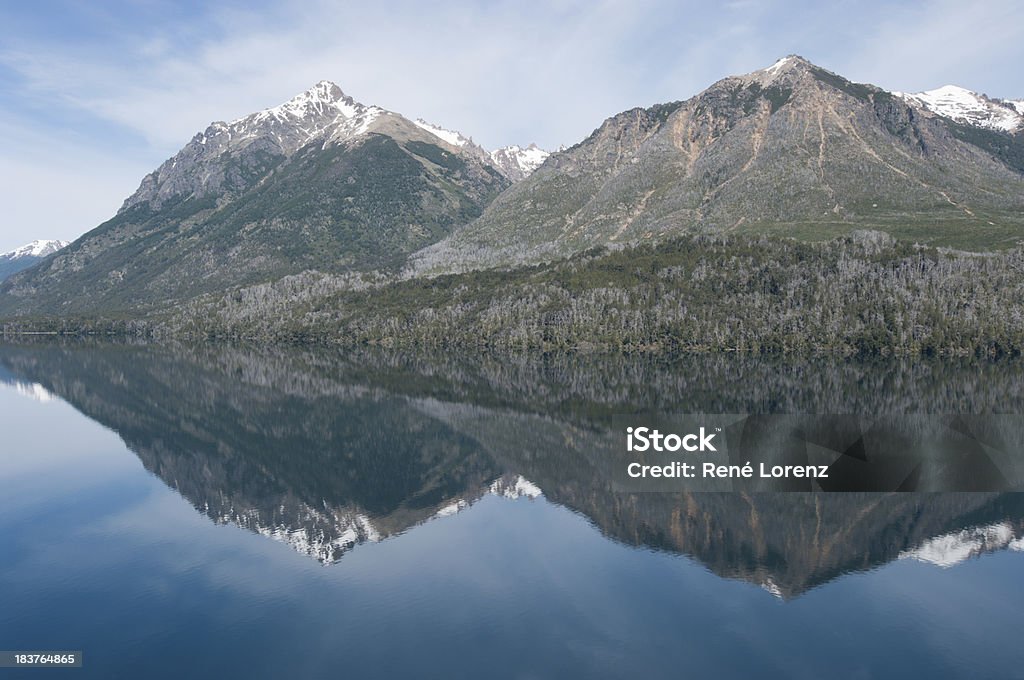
[(519, 487), (323, 98), (33, 391), (514, 161), (451, 136), (452, 508), (322, 112), (517, 163), (969, 108), (325, 535), (951, 549), (771, 70), (38, 248), (772, 587), (508, 487)]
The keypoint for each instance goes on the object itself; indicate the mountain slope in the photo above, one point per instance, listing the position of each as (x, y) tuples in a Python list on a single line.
[(320, 182), (27, 255), (791, 149)]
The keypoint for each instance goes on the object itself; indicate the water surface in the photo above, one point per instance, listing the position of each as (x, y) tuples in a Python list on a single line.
[(230, 511)]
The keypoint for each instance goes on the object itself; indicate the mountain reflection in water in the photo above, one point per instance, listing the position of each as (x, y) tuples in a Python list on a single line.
[(326, 450)]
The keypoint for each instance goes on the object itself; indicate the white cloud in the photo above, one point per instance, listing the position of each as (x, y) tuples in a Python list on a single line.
[(977, 45)]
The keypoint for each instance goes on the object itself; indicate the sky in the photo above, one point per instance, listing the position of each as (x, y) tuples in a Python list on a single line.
[(93, 95)]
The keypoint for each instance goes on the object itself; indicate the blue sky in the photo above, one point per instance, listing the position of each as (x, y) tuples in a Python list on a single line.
[(94, 95)]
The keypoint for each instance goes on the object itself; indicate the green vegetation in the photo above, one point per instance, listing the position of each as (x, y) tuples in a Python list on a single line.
[(661, 112), (865, 293), (855, 90), (436, 155), (331, 208), (950, 228), (777, 96), (1009, 148)]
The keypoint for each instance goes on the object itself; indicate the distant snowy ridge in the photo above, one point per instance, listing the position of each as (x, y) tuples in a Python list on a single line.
[(514, 161), (39, 248), (517, 163), (507, 486), (27, 256), (32, 390), (451, 136), (970, 108), (953, 548), (515, 487)]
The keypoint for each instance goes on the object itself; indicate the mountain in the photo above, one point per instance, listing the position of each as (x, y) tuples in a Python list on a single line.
[(970, 108), (325, 183), (26, 256), (514, 162), (319, 182), (792, 149), (518, 163)]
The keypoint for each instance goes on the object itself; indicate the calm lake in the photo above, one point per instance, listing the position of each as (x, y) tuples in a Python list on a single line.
[(205, 511)]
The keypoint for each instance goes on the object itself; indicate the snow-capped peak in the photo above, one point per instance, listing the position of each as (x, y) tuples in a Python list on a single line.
[(39, 248), (516, 162), (322, 114), (970, 108), (323, 111), (451, 136), (324, 98)]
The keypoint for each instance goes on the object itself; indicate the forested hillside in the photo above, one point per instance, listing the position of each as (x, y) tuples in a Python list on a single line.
[(865, 293)]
